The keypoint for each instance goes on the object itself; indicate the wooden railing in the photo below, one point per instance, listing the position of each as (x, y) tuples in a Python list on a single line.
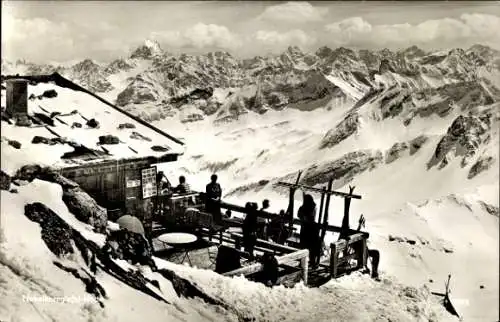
[(355, 243), (301, 255)]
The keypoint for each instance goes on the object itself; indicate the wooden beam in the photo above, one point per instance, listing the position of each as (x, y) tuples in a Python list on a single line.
[(304, 187), (345, 220), (257, 267), (291, 201), (322, 204), (271, 245)]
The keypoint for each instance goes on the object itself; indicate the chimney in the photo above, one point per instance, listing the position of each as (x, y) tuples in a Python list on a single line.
[(17, 101)]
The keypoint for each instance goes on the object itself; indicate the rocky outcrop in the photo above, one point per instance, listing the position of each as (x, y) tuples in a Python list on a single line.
[(395, 152), (417, 143), (85, 208), (78, 201), (56, 234), (464, 137), (347, 127), (344, 169), (5, 181), (483, 164)]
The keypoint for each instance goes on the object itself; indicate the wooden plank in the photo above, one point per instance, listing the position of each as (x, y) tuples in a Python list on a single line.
[(272, 245), (257, 267), (304, 187)]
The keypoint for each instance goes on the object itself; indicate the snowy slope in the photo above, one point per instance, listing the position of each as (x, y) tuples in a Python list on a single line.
[(401, 198), (27, 269)]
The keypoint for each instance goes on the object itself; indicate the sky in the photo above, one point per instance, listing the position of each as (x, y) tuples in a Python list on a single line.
[(64, 31)]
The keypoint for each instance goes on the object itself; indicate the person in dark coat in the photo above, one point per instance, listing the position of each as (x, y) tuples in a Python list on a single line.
[(249, 228), (309, 232), (277, 228), (213, 198), (262, 222)]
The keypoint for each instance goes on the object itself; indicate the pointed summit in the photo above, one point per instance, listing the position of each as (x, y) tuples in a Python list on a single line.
[(148, 50)]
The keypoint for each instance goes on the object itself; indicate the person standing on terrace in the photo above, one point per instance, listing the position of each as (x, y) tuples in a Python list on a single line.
[(213, 198)]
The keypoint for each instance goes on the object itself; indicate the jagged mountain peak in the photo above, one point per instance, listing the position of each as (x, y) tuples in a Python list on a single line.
[(148, 50)]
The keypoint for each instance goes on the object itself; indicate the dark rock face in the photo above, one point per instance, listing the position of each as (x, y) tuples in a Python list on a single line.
[(344, 169), (5, 181), (483, 164), (85, 208), (395, 152), (417, 143), (56, 234), (464, 136), (348, 126)]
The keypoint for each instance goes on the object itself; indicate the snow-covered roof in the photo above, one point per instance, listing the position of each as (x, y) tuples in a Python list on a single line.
[(135, 143)]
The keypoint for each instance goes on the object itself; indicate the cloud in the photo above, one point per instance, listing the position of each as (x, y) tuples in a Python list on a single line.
[(273, 40), (199, 36), (30, 38), (296, 12), (464, 31)]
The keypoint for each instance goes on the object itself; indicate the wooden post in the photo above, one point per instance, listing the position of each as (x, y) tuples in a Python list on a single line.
[(363, 255), (305, 268), (322, 204), (333, 260), (327, 210), (291, 202), (345, 221)]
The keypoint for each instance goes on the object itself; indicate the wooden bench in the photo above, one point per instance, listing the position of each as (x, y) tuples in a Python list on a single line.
[(356, 242)]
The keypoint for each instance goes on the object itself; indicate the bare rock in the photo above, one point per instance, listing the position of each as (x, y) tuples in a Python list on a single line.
[(85, 208), (76, 125), (483, 164), (23, 120), (5, 181), (348, 126), (15, 144), (56, 234), (194, 117), (344, 169), (464, 137), (417, 143), (51, 93), (108, 139), (159, 148), (93, 124), (126, 126), (40, 140), (395, 152)]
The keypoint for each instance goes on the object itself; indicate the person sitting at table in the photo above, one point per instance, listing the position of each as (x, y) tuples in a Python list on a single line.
[(183, 187)]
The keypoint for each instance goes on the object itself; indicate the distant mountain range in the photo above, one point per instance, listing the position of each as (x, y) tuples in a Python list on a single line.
[(156, 83)]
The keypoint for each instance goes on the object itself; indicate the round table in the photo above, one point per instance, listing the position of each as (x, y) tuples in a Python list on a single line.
[(179, 241)]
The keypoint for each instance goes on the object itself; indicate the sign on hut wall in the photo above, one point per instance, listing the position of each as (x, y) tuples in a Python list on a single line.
[(148, 177), (133, 183)]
